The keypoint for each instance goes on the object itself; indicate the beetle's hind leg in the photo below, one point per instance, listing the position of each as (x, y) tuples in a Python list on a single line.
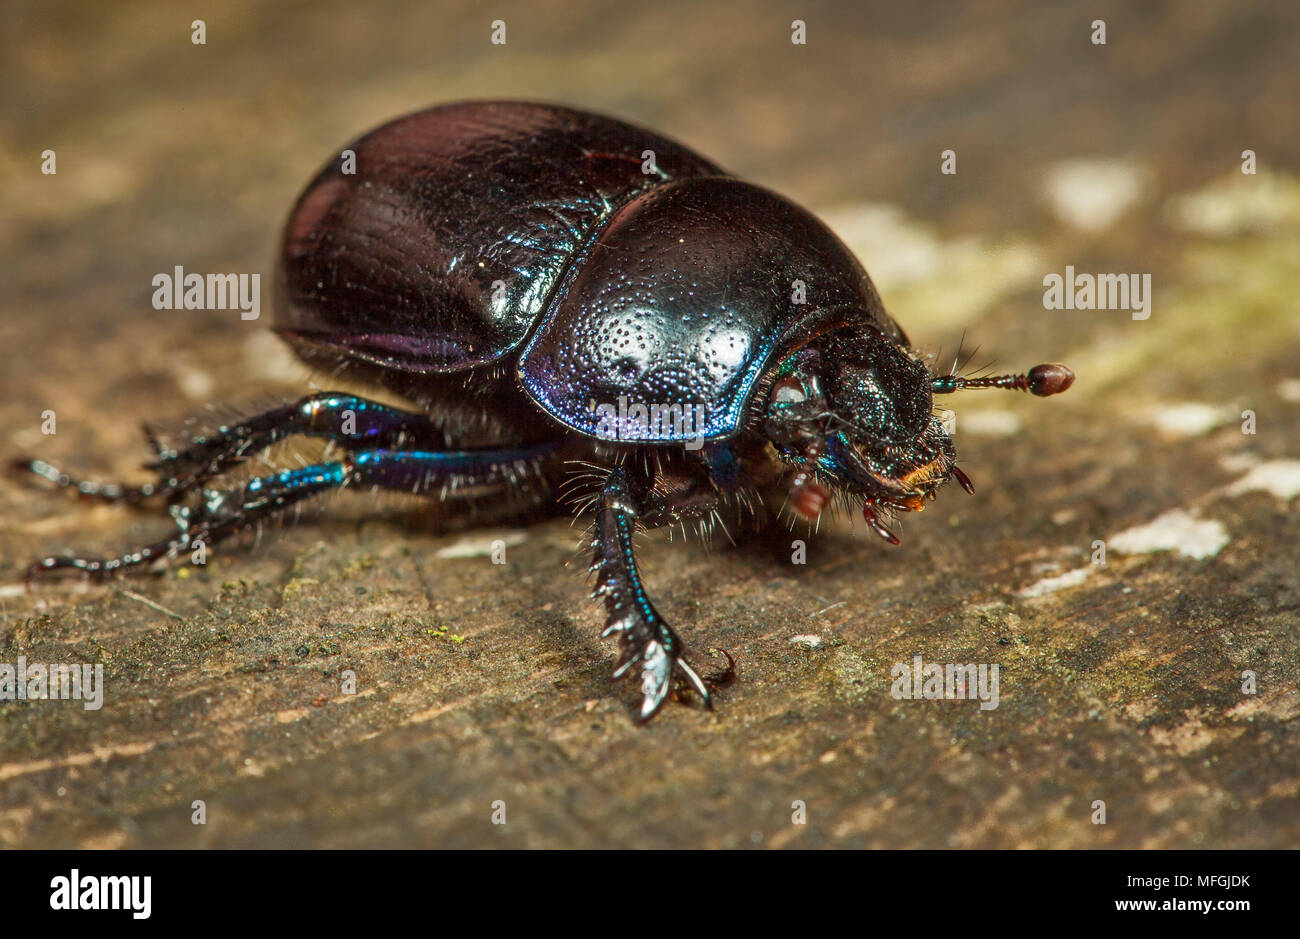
[(218, 514), (646, 639), (88, 489), (350, 421)]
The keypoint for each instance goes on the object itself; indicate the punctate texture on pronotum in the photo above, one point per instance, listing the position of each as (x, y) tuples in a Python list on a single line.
[(583, 316)]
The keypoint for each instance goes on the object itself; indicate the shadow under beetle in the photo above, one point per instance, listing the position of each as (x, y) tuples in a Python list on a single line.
[(551, 288)]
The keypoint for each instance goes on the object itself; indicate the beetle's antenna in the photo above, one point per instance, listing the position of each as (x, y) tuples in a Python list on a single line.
[(1041, 380)]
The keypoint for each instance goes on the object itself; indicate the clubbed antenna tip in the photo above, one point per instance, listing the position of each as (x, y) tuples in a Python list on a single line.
[(1049, 379), (1042, 380)]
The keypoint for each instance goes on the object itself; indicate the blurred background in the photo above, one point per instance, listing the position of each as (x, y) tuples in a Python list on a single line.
[(1121, 682)]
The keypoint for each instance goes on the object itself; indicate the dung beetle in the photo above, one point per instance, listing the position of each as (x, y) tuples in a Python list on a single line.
[(571, 301)]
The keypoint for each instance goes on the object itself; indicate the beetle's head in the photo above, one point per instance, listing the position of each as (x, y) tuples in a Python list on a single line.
[(853, 412)]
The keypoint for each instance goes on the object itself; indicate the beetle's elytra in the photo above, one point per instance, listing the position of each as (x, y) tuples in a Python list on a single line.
[(553, 289)]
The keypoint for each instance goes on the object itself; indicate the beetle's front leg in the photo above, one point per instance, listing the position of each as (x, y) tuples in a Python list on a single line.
[(627, 499)]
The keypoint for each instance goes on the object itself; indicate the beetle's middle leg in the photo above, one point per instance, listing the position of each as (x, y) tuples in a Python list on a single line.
[(352, 422), (218, 514)]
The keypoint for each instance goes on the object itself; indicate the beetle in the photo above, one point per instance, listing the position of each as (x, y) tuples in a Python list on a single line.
[(564, 297)]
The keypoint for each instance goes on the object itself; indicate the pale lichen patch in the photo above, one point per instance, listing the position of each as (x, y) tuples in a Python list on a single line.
[(1279, 477), (1091, 194), (989, 423), (481, 544), (1059, 582), (1189, 419), (1176, 530)]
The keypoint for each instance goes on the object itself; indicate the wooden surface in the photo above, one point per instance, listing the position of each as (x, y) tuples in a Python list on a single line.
[(480, 682)]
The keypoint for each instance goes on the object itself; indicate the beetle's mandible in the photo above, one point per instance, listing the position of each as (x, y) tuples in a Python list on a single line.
[(569, 300)]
